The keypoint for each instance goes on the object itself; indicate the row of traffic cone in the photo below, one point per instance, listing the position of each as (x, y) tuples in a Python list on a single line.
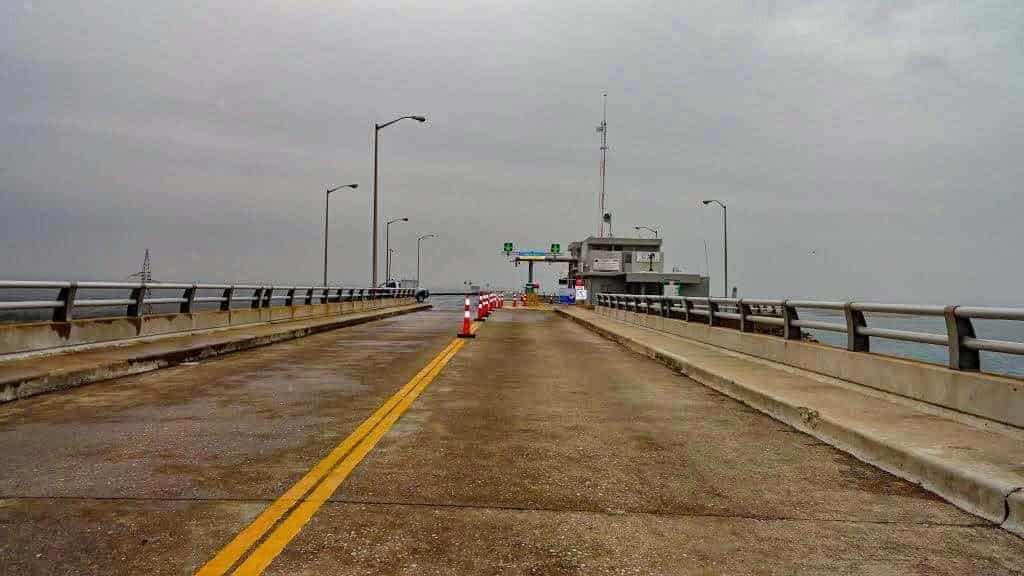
[(485, 303)]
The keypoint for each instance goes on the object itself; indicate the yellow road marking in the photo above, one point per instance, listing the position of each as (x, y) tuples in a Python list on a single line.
[(269, 549), (245, 539)]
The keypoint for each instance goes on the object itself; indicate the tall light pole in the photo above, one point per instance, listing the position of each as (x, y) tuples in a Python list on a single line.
[(376, 144), (387, 246), (725, 244), (648, 228), (327, 205), (418, 241)]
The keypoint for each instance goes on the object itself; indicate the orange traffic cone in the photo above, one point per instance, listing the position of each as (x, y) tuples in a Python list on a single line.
[(466, 332), (480, 316)]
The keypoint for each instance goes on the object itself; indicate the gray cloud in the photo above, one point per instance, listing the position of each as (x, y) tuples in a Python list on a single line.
[(882, 136)]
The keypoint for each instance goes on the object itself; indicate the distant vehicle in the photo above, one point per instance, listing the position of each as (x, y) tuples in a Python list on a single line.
[(421, 293)]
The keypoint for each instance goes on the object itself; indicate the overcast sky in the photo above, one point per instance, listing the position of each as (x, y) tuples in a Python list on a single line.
[(865, 149)]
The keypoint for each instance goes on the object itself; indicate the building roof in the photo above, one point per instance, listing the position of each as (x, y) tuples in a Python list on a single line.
[(595, 242)]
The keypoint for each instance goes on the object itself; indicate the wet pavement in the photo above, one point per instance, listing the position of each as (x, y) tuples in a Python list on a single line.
[(539, 449)]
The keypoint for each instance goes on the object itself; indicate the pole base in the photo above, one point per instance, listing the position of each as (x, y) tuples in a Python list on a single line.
[(461, 335)]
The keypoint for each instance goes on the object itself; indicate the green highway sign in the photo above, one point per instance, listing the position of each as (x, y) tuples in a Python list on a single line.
[(556, 248), (508, 247)]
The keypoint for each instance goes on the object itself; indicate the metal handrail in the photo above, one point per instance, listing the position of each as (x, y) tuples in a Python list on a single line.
[(140, 295), (959, 337)]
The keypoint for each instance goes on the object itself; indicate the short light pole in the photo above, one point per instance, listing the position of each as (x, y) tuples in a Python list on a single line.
[(648, 228), (725, 244), (387, 246), (376, 144), (391, 253), (418, 242), (327, 205)]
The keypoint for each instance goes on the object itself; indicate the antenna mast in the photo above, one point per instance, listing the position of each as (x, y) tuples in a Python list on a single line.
[(603, 130)]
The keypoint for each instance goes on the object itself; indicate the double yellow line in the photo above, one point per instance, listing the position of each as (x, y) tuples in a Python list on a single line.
[(313, 489)]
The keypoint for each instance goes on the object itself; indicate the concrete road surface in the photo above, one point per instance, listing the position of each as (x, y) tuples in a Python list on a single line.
[(539, 448)]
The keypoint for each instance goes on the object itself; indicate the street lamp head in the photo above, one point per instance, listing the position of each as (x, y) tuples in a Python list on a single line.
[(336, 188), (404, 219), (706, 202), (419, 118)]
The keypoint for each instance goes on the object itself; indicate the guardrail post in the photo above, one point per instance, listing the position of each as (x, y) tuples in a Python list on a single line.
[(289, 299), (712, 309), (257, 297), (138, 296), (229, 293), (687, 307), (744, 310), (190, 300), (67, 295), (855, 319), (325, 297), (664, 303), (960, 358), (268, 297), (309, 296), (789, 332)]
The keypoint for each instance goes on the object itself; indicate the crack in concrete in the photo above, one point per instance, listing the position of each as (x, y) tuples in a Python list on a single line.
[(606, 512), (596, 511)]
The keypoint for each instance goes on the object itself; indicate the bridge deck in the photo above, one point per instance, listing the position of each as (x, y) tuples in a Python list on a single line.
[(539, 448)]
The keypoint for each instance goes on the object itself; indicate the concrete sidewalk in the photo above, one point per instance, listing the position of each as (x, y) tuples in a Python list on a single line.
[(37, 374), (975, 464)]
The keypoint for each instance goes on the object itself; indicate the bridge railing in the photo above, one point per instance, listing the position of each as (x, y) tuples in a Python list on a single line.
[(134, 297), (959, 338)]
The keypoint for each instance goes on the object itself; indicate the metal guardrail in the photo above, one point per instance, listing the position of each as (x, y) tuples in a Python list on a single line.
[(69, 297), (963, 344)]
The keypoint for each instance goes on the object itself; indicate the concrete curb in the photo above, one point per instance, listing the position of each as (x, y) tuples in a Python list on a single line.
[(1015, 512), (19, 388), (971, 490)]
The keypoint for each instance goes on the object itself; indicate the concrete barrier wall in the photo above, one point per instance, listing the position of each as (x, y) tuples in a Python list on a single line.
[(30, 337), (994, 397)]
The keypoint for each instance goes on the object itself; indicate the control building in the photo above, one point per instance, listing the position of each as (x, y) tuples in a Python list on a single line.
[(629, 266)]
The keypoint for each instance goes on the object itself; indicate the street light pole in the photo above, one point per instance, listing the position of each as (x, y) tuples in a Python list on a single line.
[(418, 241), (390, 252), (327, 213), (387, 246), (376, 142), (725, 244)]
